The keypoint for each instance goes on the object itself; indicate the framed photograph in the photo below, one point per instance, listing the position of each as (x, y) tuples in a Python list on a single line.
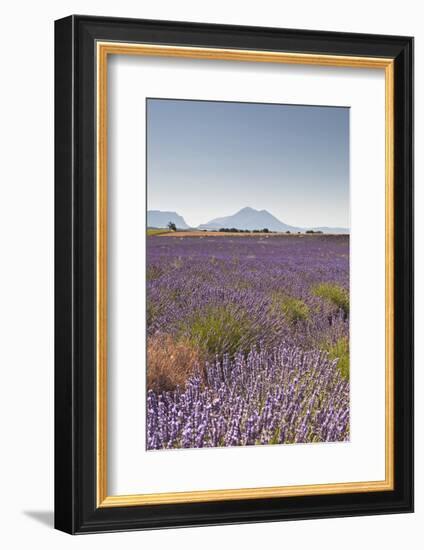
[(234, 274)]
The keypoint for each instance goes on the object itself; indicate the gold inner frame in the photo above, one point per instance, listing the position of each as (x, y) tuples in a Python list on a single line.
[(104, 49)]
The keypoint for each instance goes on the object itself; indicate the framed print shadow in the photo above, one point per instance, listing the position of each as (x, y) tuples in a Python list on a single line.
[(233, 274)]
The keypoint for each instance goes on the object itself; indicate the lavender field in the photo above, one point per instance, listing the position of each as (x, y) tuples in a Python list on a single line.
[(247, 340)]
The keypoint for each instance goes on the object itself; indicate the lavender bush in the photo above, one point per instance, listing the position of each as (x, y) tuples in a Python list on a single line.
[(265, 317)]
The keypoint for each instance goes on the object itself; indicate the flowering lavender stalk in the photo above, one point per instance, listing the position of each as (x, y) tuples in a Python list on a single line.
[(271, 349), (282, 396)]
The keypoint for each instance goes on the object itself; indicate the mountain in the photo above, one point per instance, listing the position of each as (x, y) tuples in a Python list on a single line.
[(246, 218), (159, 219), (249, 218)]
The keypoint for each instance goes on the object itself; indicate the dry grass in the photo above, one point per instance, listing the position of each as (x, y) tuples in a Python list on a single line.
[(170, 362)]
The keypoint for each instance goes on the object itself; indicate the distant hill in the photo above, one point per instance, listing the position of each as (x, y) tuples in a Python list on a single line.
[(333, 230), (249, 218), (159, 219), (246, 218)]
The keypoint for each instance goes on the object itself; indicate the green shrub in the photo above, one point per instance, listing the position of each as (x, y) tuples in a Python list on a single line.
[(153, 272), (335, 294), (219, 329), (152, 311), (294, 309)]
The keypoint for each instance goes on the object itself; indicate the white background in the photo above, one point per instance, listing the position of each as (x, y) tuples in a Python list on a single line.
[(132, 469), (26, 289)]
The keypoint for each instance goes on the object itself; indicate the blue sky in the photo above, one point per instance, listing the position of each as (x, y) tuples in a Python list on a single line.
[(209, 159)]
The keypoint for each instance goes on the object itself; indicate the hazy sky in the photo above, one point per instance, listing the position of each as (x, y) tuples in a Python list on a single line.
[(209, 159)]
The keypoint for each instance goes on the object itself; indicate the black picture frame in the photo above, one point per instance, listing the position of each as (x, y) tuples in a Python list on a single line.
[(76, 510)]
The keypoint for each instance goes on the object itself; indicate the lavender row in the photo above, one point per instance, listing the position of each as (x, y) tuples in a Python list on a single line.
[(212, 303)]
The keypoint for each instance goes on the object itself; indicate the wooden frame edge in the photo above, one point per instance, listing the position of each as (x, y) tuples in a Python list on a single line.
[(101, 269), (389, 269), (244, 494)]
